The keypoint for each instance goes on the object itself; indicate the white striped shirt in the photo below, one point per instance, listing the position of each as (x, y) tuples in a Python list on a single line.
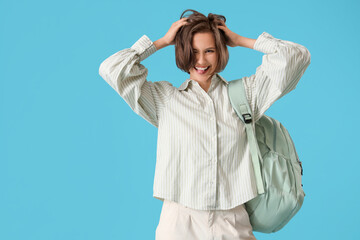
[(203, 158)]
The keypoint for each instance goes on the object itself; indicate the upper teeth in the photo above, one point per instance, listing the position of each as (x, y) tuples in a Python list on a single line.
[(201, 68)]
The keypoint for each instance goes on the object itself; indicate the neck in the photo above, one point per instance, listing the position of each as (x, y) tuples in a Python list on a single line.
[(205, 85)]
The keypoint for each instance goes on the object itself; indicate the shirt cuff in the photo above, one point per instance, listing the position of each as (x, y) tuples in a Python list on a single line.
[(144, 47), (266, 43)]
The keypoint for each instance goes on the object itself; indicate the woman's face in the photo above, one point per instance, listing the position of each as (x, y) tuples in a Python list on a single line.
[(206, 57)]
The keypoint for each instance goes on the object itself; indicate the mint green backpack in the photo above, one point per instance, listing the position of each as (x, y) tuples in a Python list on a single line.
[(277, 167)]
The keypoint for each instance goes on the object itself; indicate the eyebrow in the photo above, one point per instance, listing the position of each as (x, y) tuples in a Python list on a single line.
[(206, 48)]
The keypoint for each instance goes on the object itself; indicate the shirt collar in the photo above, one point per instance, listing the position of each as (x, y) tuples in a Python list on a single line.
[(185, 84)]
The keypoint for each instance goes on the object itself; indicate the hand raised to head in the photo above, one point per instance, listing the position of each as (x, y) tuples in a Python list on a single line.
[(169, 37), (232, 38)]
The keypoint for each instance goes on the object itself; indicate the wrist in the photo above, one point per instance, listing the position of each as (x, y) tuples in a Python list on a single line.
[(245, 42), (238, 41), (160, 43)]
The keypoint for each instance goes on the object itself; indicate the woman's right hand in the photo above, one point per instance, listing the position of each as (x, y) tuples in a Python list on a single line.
[(170, 35), (169, 38)]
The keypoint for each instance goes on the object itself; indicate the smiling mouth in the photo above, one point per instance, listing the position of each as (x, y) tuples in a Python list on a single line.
[(201, 70)]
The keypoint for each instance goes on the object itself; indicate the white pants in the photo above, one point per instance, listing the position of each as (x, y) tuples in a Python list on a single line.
[(178, 222)]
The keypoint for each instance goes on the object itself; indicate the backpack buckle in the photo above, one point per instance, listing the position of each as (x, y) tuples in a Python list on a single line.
[(247, 117)]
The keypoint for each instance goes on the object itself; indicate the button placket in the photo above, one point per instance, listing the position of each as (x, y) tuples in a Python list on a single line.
[(213, 154)]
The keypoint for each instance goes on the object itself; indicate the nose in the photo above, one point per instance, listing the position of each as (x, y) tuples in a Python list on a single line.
[(201, 59)]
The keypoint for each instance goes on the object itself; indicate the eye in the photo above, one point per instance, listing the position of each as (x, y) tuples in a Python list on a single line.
[(206, 51)]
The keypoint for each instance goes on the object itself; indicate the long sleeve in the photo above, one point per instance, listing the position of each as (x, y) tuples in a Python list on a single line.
[(282, 66), (127, 76)]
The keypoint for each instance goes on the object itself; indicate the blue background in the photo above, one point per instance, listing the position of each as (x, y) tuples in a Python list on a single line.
[(77, 163)]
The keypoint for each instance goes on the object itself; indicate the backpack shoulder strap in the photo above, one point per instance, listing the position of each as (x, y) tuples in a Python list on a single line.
[(237, 96), (239, 101)]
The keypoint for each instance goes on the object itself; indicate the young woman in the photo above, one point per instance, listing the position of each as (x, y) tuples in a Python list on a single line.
[(203, 171)]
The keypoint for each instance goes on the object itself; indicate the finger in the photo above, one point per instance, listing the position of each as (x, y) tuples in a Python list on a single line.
[(185, 22), (222, 23), (181, 21)]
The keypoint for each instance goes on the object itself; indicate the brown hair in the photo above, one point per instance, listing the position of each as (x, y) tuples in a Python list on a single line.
[(199, 23)]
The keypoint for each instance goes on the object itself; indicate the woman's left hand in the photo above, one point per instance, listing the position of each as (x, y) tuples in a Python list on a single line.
[(232, 38)]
